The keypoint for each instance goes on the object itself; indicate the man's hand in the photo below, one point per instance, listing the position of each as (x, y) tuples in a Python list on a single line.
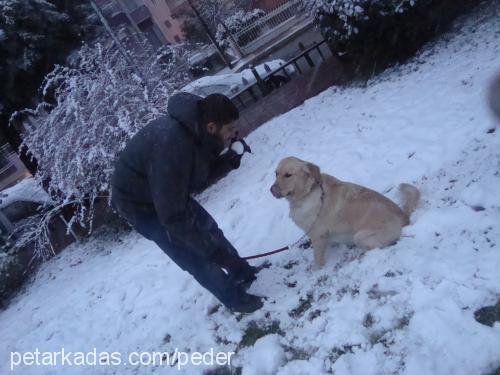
[(235, 152), (228, 161), (233, 158)]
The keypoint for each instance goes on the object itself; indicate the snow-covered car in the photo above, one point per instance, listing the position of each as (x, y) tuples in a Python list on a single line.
[(19, 203), (232, 83)]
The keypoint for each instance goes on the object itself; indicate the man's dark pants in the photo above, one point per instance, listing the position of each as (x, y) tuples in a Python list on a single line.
[(206, 268)]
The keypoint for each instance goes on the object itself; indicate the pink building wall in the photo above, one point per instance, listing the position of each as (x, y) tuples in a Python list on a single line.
[(162, 16)]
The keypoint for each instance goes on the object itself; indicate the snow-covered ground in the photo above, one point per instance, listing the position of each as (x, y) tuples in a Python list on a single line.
[(406, 309)]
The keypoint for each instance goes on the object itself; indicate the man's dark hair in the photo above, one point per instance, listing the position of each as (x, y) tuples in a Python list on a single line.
[(217, 108)]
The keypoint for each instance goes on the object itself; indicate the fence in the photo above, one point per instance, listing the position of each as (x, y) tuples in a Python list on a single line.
[(274, 79), (265, 25)]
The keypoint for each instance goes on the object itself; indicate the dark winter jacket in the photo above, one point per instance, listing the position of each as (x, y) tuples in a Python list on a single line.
[(165, 162)]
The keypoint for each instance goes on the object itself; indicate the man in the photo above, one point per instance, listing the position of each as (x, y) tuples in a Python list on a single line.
[(161, 166)]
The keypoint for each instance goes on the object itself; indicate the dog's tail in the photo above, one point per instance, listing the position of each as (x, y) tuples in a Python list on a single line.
[(410, 197)]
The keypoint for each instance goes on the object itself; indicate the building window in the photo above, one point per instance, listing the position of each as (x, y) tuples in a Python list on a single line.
[(168, 24), (177, 38)]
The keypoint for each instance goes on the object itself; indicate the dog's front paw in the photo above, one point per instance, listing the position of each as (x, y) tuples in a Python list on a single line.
[(317, 266), (305, 245)]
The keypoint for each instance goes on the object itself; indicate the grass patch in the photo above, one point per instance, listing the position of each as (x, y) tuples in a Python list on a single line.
[(488, 315), (297, 353), (255, 331), (304, 305), (313, 315)]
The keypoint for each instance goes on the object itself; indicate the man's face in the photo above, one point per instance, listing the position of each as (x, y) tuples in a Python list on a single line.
[(225, 134)]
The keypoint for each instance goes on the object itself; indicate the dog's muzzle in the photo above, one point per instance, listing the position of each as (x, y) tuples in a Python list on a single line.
[(275, 191)]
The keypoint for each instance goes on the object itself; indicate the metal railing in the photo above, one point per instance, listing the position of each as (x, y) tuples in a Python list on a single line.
[(274, 79), (267, 23)]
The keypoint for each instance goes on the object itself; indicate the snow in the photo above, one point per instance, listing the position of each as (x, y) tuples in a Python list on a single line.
[(264, 357), (406, 309)]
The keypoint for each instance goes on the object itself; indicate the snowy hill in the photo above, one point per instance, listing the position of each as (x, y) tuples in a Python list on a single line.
[(406, 309)]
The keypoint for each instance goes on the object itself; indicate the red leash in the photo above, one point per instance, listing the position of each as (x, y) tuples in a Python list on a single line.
[(266, 254), (299, 240)]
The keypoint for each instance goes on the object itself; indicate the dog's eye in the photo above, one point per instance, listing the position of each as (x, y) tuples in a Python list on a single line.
[(287, 175)]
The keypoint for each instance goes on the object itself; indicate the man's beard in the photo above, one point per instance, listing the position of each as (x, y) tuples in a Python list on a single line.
[(213, 142)]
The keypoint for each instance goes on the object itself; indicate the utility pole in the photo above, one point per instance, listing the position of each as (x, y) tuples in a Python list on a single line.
[(120, 46), (210, 35)]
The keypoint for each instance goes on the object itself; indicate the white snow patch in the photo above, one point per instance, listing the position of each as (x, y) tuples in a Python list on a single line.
[(264, 357)]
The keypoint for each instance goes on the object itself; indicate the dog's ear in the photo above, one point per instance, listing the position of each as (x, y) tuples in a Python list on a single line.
[(313, 171)]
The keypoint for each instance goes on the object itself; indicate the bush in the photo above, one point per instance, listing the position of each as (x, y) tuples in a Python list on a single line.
[(373, 34)]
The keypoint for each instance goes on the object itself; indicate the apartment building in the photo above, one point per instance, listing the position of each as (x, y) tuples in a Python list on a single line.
[(153, 18)]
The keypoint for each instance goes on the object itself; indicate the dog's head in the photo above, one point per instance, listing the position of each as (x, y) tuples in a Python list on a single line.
[(295, 178)]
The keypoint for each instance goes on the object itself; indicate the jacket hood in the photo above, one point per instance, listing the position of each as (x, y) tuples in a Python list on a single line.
[(183, 107)]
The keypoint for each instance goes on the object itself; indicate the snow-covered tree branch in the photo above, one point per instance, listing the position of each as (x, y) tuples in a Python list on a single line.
[(96, 104)]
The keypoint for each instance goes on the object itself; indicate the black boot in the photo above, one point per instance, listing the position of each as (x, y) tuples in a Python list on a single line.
[(248, 303)]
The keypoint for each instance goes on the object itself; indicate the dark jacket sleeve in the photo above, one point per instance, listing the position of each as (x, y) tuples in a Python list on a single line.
[(169, 186), (224, 164)]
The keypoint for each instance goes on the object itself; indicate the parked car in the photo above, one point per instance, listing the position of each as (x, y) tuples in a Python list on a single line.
[(18, 203), (232, 83)]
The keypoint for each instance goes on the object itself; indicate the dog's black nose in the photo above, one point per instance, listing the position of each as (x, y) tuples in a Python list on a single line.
[(275, 191)]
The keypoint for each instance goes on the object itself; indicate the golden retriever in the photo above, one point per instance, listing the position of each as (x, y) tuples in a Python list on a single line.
[(329, 209)]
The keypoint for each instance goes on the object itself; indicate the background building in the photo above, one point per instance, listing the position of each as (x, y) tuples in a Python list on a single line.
[(153, 18)]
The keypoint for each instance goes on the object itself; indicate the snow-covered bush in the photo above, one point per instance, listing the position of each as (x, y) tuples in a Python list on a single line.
[(348, 14), (96, 104), (235, 23), (375, 33)]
